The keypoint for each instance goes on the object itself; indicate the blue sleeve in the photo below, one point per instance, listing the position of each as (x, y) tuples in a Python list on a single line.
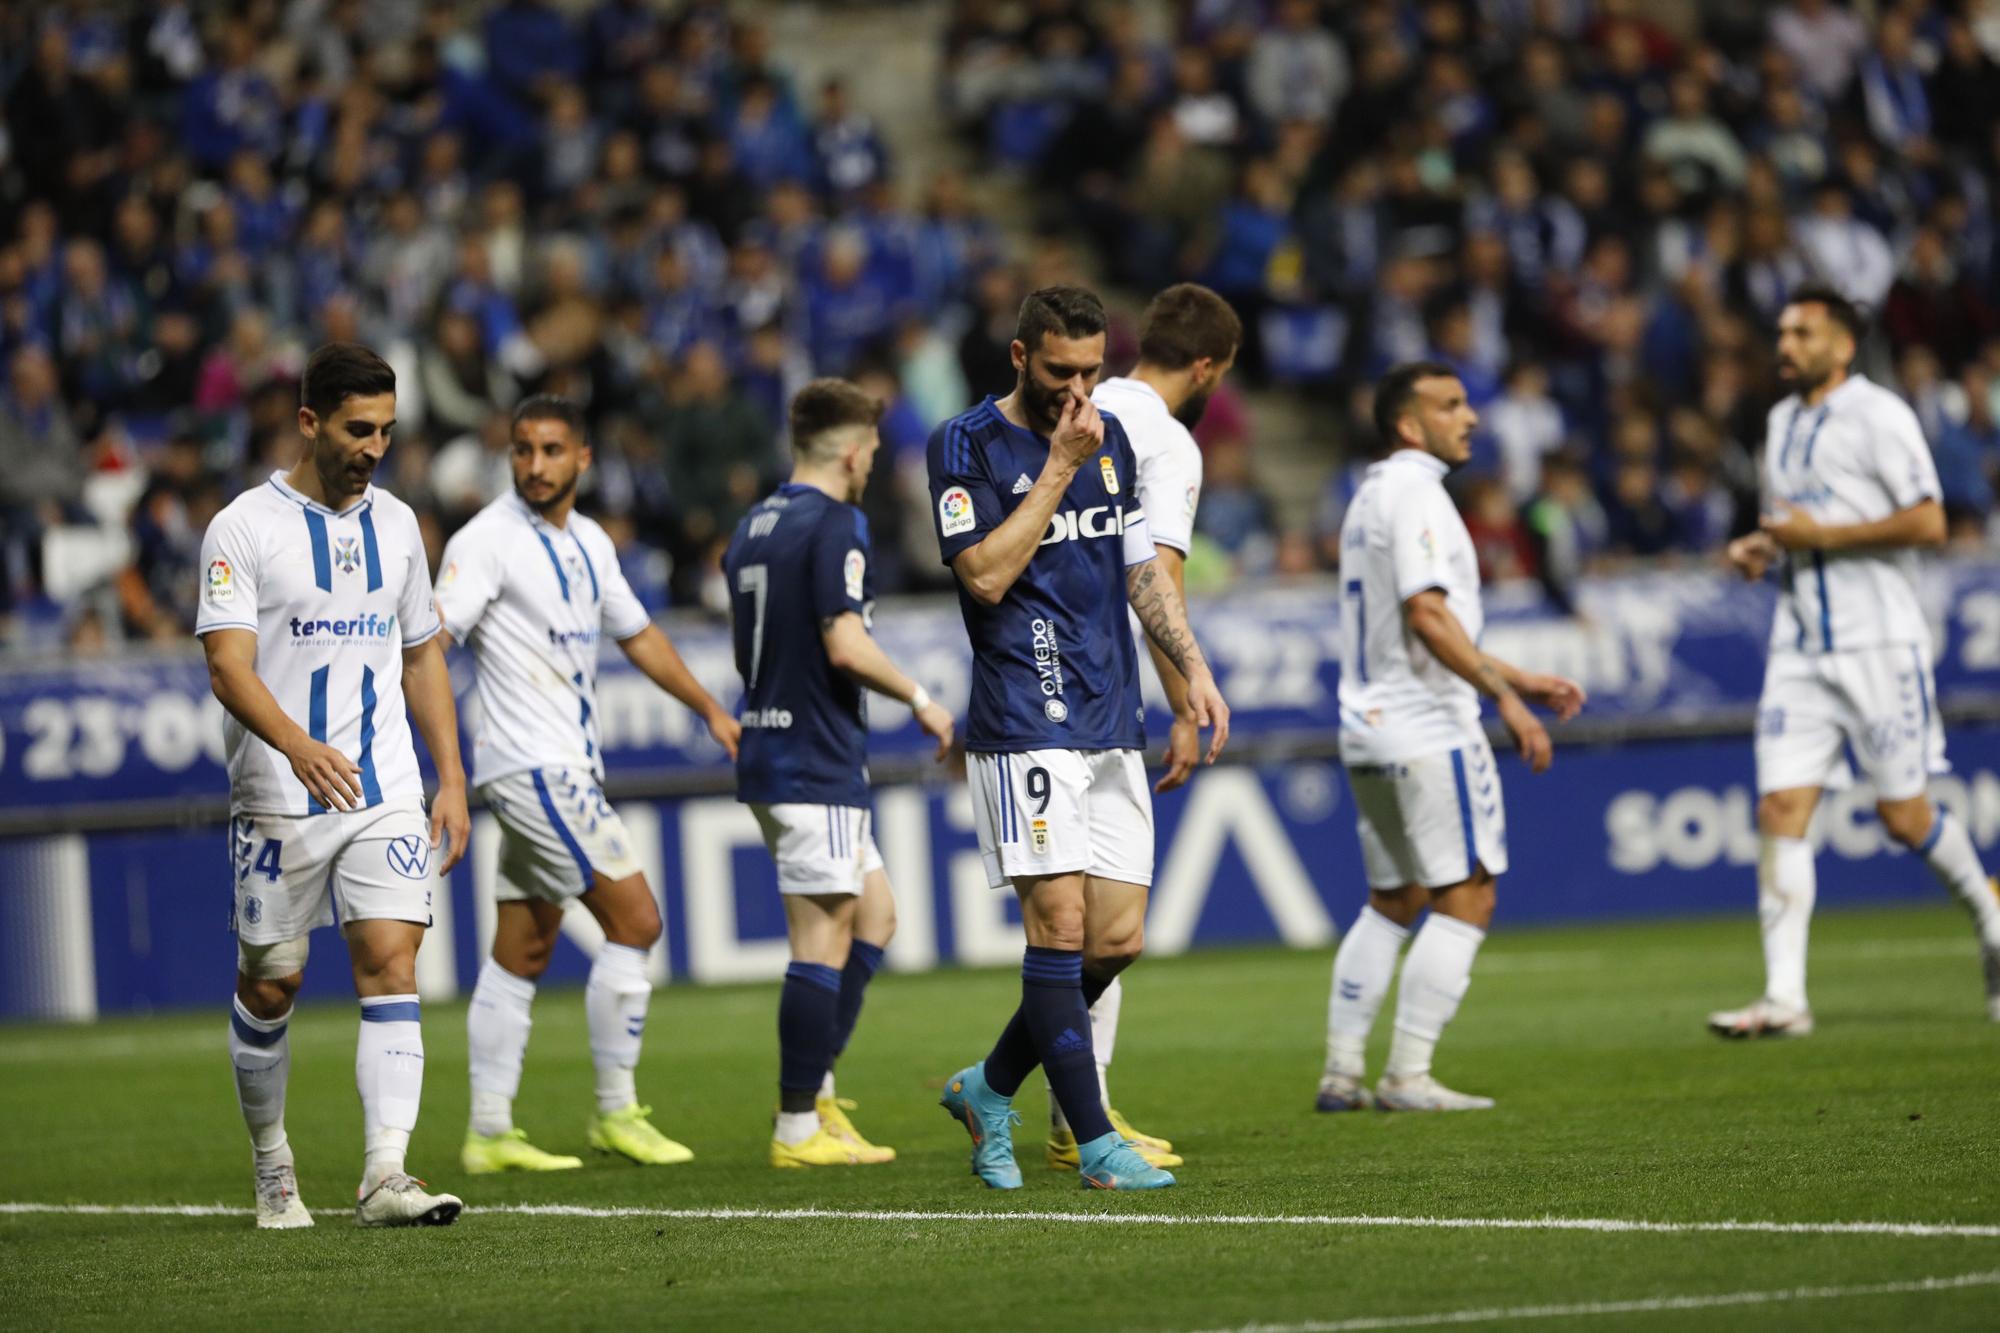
[(840, 563), (964, 502)]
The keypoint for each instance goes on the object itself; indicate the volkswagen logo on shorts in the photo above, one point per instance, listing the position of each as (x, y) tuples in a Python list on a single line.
[(410, 856)]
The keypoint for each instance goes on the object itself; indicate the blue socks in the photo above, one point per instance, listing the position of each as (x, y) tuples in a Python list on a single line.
[(1052, 1028), (863, 961), (807, 1012)]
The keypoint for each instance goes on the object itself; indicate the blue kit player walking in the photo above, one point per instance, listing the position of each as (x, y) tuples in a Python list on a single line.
[(801, 598), (1038, 516)]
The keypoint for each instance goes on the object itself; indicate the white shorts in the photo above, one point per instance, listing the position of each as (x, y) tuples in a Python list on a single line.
[(819, 848), (556, 833), (1053, 812), (1430, 821), (294, 873), (1879, 701)]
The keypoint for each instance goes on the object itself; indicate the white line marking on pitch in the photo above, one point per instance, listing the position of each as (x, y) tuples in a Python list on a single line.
[(1655, 1305), (1612, 1225)]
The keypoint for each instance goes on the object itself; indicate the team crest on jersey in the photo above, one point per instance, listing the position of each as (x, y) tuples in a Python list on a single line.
[(347, 554), (955, 512), (221, 582), (1038, 836), (1109, 472), (1057, 710), (253, 910), (854, 572)]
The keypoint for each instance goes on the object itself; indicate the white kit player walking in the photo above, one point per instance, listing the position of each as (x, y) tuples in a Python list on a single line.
[(317, 620), (1852, 496), (1187, 343), (1426, 789), (532, 588)]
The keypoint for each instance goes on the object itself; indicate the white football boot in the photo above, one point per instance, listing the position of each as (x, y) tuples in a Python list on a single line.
[(401, 1201), (1343, 1092), (1421, 1092), (279, 1207), (1762, 1018)]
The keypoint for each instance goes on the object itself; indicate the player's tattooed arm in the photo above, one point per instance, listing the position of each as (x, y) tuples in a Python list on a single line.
[(1163, 615), (1430, 619)]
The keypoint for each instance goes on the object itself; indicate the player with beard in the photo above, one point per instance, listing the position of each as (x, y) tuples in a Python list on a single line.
[(1426, 792), (1038, 516), (532, 588), (317, 620), (1852, 496), (1187, 342)]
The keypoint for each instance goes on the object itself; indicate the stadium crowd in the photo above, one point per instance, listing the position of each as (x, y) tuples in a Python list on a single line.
[(1594, 219)]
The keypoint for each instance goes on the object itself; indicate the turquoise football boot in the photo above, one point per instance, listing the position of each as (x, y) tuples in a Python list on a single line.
[(1108, 1162), (990, 1119)]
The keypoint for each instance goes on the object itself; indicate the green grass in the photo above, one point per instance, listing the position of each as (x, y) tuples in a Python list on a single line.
[(1614, 1103)]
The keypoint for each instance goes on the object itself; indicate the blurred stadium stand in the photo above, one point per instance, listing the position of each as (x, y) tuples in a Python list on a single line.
[(677, 213)]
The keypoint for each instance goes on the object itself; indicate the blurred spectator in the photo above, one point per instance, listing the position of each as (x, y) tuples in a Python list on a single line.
[(1527, 426), (1823, 41), (1933, 305), (1297, 70), (1967, 451), (1234, 514), (1498, 537), (1567, 528)]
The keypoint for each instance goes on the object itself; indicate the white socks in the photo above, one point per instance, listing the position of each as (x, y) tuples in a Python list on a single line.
[(1103, 1037), (1955, 861), (615, 1001), (1786, 887), (1435, 977), (262, 1055), (389, 1071), (1362, 968), (795, 1127), (496, 1031)]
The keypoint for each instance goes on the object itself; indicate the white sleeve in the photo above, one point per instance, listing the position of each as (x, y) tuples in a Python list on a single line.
[(416, 606), (228, 574), (1416, 546), (468, 581), (1170, 488), (1905, 467), (1138, 539), (624, 616)]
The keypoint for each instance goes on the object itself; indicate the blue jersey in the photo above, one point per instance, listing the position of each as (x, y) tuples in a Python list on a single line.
[(798, 559), (1053, 664)]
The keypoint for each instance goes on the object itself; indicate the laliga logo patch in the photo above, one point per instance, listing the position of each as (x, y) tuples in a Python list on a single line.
[(1110, 473), (221, 583), (347, 554), (410, 856), (1038, 834), (854, 571), (1194, 496), (1057, 710), (955, 512), (450, 575)]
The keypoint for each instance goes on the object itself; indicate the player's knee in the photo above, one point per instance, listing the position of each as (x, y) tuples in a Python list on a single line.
[(1402, 906), (268, 975), (1062, 929), (1908, 822), (267, 997), (526, 959), (1113, 952), (1783, 813)]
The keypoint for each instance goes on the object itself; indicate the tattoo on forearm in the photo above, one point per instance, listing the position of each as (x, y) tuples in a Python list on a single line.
[(1161, 614), (1496, 684)]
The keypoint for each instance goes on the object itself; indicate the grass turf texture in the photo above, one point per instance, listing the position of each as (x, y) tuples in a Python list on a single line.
[(1614, 1103)]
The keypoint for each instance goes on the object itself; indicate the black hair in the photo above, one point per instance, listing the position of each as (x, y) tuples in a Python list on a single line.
[(337, 372), (550, 407), (1838, 308), (1071, 312), (1397, 389)]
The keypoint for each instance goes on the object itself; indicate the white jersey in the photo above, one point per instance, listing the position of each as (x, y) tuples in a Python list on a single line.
[(532, 601), (1401, 536), (334, 599), (1857, 457), (1169, 483)]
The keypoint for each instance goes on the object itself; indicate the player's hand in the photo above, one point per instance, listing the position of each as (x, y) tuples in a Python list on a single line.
[(1793, 528), (1078, 433), (728, 732), (1531, 738), (329, 776), (1752, 555), (1205, 706), (1561, 696), (935, 719), (1183, 753), (451, 826)]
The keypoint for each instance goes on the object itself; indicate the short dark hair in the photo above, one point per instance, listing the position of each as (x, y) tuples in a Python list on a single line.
[(1838, 308), (550, 407), (1185, 323), (337, 372), (829, 404), (1397, 389), (1073, 312)]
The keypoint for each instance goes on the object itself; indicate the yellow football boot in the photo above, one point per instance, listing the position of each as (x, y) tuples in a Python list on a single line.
[(833, 1120), (630, 1134)]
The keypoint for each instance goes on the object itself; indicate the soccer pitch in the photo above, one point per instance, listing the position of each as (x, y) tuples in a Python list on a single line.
[(1624, 1135)]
